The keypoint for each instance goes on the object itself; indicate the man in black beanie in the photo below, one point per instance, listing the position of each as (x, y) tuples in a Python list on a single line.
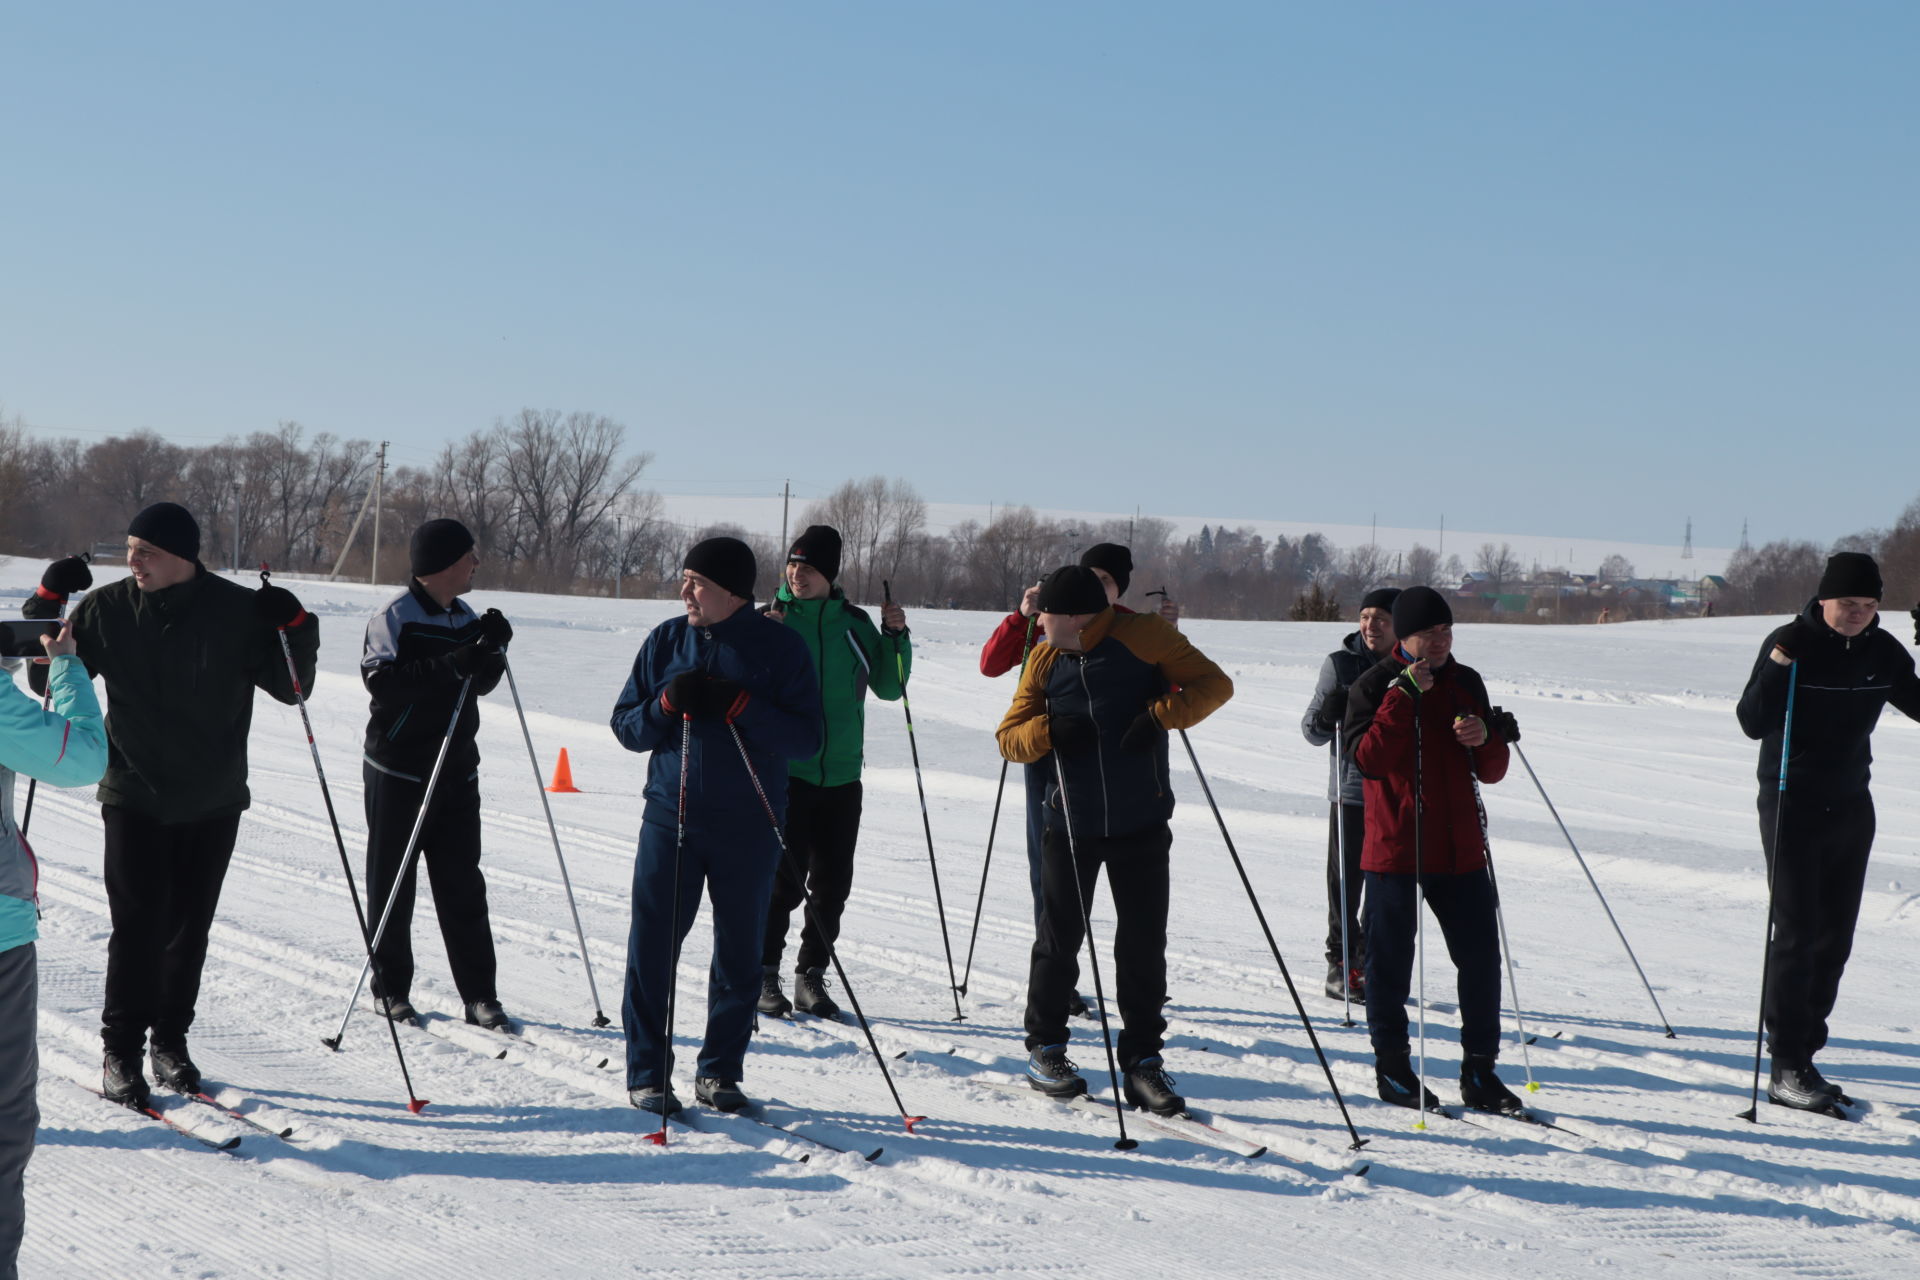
[(1093, 710), (425, 652), (182, 651), (1818, 831), (1346, 821), (1113, 565), (740, 695)]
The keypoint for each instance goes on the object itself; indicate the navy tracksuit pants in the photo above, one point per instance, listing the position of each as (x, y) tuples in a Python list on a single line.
[(1464, 906), (1818, 877)]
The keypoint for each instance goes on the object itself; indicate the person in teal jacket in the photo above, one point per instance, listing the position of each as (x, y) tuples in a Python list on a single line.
[(65, 746), (823, 790)]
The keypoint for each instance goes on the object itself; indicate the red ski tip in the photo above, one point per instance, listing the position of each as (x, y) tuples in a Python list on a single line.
[(912, 1121), (658, 1137), (416, 1105)]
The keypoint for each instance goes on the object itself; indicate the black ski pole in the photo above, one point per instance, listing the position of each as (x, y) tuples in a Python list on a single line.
[(980, 900), (659, 1136), (1752, 1113), (1500, 924), (1585, 870), (406, 865), (415, 1103), (933, 863), (1273, 946), (1419, 895), (1340, 852), (600, 1018), (833, 953), (1093, 960)]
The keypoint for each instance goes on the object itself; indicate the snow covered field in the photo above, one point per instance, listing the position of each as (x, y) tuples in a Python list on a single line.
[(529, 1162)]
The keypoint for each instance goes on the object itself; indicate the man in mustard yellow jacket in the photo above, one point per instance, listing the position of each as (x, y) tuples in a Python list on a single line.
[(1094, 707)]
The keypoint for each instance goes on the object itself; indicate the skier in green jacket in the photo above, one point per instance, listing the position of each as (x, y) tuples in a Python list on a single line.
[(823, 790)]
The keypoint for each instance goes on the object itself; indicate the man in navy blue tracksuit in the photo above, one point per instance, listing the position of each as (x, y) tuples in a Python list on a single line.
[(719, 671)]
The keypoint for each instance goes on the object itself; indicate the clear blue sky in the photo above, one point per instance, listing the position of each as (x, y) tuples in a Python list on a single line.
[(1575, 268)]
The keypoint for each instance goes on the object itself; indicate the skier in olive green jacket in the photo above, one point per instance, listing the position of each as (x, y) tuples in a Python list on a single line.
[(823, 790)]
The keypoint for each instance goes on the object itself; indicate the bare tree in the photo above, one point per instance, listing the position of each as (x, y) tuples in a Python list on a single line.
[(1499, 564), (1616, 568), (1423, 566)]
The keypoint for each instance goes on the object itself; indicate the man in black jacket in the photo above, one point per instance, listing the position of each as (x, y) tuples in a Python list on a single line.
[(1346, 819), (182, 651), (1843, 669), (425, 652)]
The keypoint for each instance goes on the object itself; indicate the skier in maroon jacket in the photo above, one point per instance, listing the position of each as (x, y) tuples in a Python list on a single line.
[(1420, 715)]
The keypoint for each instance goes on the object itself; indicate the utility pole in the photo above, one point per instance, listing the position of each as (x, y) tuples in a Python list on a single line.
[(236, 526), (1441, 554), (786, 497), (620, 551), (379, 486)]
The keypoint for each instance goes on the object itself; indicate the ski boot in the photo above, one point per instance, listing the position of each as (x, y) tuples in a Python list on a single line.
[(1799, 1087), (772, 1001), (401, 1010), (1827, 1086), (652, 1098), (1049, 1072), (1148, 1087), (1395, 1079), (488, 1014), (172, 1067), (810, 994), (721, 1095), (1481, 1090), (122, 1082)]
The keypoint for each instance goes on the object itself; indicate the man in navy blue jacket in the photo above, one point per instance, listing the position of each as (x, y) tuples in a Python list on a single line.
[(719, 671)]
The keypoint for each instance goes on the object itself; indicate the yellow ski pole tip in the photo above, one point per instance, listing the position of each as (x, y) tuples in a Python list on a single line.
[(1533, 1086)]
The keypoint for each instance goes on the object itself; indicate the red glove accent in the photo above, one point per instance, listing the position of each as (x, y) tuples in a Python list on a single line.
[(739, 705), (45, 594), (299, 620)]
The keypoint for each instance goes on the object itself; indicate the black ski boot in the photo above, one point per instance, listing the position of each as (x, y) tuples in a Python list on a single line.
[(488, 1014), (1799, 1087), (122, 1082), (401, 1009), (721, 1095), (1049, 1071), (1481, 1090), (652, 1098), (773, 1002), (1826, 1086), (810, 994), (172, 1067), (1394, 1076), (1148, 1087)]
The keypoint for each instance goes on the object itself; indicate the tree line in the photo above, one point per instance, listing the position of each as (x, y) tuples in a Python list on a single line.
[(555, 502)]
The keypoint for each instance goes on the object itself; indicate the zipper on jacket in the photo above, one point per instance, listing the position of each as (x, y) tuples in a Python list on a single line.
[(1099, 752), (820, 661)]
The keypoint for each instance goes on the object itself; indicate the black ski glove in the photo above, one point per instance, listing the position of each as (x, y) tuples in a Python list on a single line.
[(495, 631), (1333, 709), (1072, 733), (277, 607), (1799, 638), (1502, 725), (699, 696), (472, 659), (66, 576), (1143, 734)]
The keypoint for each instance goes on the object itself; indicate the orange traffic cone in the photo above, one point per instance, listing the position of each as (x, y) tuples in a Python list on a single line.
[(562, 775)]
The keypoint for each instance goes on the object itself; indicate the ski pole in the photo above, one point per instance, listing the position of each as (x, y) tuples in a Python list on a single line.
[(1340, 851), (833, 953), (415, 1103), (1752, 1113), (1500, 923), (980, 900), (600, 1018), (659, 1136), (933, 863), (1093, 957), (1662, 1013), (406, 864), (1419, 899), (1254, 901)]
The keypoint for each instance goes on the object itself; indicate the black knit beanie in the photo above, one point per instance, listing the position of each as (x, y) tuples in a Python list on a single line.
[(818, 547), (1380, 598), (1418, 608), (1850, 573), (168, 526), (1072, 588), (436, 545), (1114, 558), (728, 562)]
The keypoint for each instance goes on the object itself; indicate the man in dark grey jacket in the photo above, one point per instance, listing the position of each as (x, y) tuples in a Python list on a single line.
[(1346, 826)]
